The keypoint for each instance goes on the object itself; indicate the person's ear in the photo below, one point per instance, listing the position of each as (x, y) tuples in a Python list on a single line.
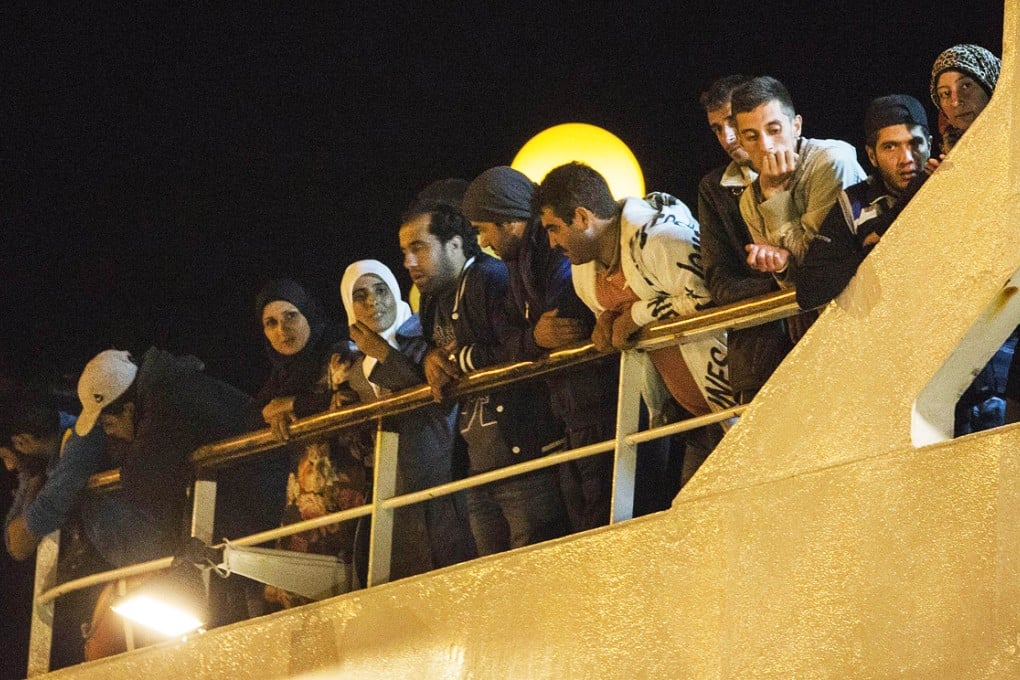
[(581, 219), (871, 155)]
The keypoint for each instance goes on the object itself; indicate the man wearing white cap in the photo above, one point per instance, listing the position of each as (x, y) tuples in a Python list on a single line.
[(164, 407)]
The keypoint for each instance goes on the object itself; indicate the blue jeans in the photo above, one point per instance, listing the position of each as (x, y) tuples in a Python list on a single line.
[(425, 460), (516, 512)]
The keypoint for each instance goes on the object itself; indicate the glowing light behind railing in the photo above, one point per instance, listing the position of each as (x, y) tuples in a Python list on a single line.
[(162, 617), (589, 144)]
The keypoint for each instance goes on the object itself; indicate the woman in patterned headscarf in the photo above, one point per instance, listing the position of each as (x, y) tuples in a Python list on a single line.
[(962, 81)]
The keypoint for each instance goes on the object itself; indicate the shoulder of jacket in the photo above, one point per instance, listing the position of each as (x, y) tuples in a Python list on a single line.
[(835, 149)]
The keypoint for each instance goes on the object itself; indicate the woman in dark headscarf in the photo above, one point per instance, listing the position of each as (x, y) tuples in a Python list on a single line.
[(327, 476)]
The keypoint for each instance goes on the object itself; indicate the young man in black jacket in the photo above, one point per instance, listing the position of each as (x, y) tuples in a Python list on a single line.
[(468, 324), (499, 203), (898, 144)]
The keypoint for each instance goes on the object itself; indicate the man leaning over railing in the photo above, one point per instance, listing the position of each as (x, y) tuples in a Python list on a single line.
[(499, 203), (163, 408), (465, 318), (54, 464), (635, 262)]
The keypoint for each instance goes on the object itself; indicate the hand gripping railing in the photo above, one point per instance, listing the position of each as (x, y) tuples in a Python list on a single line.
[(743, 314)]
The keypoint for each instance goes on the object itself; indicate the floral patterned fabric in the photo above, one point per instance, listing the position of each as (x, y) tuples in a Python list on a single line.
[(328, 476)]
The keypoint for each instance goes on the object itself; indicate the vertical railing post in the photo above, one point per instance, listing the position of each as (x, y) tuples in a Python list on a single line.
[(384, 486), (203, 510), (628, 404), (40, 640), (203, 517), (129, 629)]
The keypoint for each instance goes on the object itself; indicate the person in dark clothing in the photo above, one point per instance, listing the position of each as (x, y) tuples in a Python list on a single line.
[(162, 408), (98, 531), (499, 203), (466, 318), (326, 476), (54, 464), (435, 533), (299, 343), (754, 352), (898, 145)]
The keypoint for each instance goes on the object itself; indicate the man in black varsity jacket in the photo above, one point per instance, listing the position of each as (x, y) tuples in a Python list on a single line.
[(467, 321)]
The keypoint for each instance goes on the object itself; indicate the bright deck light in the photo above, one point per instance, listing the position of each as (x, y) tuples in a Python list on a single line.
[(589, 144), (162, 617)]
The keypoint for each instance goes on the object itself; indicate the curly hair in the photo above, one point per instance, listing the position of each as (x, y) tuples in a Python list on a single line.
[(445, 222), (575, 185)]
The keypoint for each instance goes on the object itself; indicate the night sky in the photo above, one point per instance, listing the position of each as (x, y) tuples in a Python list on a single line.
[(161, 161)]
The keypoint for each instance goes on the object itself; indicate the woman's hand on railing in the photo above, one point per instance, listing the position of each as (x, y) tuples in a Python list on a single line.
[(279, 414), (339, 367)]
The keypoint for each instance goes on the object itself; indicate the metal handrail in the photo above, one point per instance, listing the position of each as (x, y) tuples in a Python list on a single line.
[(403, 500), (742, 314), (735, 316)]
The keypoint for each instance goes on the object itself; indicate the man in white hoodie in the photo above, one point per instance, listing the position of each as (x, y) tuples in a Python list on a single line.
[(634, 262)]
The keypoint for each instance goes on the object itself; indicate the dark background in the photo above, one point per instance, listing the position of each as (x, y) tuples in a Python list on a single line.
[(160, 161)]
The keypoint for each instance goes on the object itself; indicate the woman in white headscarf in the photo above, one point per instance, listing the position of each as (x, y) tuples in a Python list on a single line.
[(378, 316), (390, 336)]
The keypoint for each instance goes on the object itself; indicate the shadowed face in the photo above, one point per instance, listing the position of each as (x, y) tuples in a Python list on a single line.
[(899, 154), (504, 238), (286, 328), (578, 240), (119, 423), (960, 98), (724, 127)]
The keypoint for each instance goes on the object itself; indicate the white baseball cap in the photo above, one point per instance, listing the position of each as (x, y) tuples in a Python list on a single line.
[(105, 377)]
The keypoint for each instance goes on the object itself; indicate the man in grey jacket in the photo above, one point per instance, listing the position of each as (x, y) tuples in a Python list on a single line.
[(754, 352), (798, 178)]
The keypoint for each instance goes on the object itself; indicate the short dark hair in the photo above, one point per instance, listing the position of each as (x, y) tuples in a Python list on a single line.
[(719, 92), (758, 91), (29, 411), (574, 185), (445, 222), (448, 191)]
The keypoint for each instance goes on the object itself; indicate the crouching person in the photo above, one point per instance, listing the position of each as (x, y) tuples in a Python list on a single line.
[(163, 408)]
